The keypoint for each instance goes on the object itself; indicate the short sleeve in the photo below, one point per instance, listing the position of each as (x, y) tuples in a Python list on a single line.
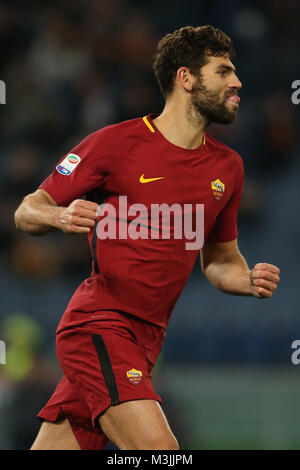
[(225, 228), (86, 167)]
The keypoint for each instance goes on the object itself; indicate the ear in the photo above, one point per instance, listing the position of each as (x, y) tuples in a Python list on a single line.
[(185, 78)]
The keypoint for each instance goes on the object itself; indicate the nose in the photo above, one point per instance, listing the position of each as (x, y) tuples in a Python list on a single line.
[(235, 83)]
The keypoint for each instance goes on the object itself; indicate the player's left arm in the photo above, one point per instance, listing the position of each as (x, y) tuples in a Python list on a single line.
[(225, 267)]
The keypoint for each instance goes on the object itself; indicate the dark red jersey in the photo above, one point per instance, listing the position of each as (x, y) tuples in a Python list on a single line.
[(144, 276)]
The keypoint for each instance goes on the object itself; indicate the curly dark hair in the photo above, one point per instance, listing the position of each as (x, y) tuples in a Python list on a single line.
[(188, 47)]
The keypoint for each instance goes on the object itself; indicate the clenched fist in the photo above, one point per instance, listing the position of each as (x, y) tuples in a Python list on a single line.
[(79, 217), (264, 280)]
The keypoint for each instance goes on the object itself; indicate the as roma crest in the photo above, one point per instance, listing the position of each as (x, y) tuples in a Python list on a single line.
[(218, 189), (134, 376)]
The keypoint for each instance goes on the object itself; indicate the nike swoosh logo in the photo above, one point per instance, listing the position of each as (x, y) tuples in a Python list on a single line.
[(148, 180)]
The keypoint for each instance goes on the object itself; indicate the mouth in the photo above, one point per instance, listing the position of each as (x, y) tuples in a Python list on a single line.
[(234, 99)]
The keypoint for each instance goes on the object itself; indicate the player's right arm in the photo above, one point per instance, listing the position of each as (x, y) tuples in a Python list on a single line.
[(39, 214), (55, 205)]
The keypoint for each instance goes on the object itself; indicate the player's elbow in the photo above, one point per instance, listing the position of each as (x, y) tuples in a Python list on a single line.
[(18, 217), (23, 216)]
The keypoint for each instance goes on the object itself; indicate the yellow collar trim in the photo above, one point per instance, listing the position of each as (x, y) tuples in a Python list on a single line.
[(148, 124), (153, 130)]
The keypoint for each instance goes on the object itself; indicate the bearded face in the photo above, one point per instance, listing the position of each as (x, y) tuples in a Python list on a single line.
[(214, 104)]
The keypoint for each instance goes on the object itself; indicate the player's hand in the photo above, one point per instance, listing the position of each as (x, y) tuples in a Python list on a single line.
[(264, 279), (79, 217)]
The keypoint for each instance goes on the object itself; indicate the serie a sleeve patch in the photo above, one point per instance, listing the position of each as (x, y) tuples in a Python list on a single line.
[(68, 164)]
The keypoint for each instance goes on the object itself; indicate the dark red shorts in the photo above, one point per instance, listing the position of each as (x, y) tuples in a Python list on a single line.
[(105, 362)]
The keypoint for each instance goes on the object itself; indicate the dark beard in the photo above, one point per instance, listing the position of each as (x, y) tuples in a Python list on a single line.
[(208, 104)]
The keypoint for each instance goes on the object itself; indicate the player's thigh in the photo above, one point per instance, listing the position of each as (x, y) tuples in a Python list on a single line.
[(138, 424), (55, 436)]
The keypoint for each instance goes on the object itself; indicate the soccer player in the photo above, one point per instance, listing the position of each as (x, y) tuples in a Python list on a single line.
[(114, 326)]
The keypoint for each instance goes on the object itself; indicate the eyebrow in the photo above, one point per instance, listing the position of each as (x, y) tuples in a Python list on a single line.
[(226, 67)]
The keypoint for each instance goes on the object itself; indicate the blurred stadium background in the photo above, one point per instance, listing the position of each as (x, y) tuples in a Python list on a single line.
[(73, 66)]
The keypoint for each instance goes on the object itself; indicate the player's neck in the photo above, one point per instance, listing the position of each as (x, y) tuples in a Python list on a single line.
[(179, 126)]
